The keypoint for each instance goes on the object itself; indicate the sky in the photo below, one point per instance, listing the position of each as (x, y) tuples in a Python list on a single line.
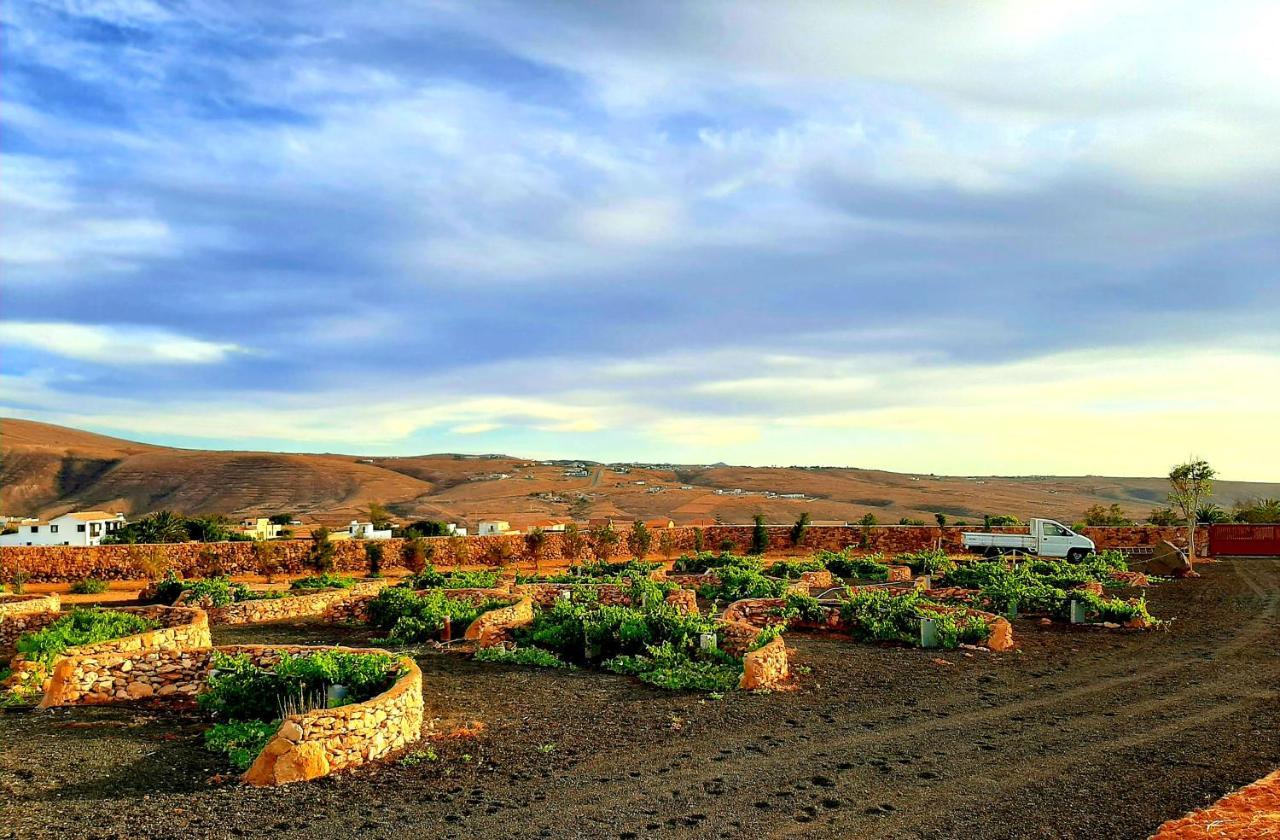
[(969, 238)]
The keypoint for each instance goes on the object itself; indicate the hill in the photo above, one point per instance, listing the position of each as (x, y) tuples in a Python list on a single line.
[(47, 469)]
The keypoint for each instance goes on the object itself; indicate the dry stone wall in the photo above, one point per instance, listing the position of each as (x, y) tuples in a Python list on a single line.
[(23, 614), (119, 562), (332, 604), (766, 668)]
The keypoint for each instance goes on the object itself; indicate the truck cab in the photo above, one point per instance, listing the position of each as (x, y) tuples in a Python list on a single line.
[(1044, 537)]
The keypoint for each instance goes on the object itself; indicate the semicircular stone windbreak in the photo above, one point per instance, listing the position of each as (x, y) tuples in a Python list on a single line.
[(315, 743), (329, 604), (72, 675), (22, 614)]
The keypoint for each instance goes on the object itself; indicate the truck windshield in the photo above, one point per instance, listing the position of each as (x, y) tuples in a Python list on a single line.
[(1052, 529)]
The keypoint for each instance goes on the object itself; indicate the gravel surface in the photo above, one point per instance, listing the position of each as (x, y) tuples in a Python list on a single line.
[(1082, 733)]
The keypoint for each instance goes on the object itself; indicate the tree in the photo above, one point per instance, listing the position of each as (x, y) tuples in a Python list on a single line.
[(602, 538), (639, 540), (1257, 511), (1210, 513), (459, 550), (759, 536), (429, 528), (1099, 515), (699, 540), (999, 520), (906, 520), (373, 557), (320, 552), (535, 541), (212, 528), (798, 530), (160, 527), (572, 543), (264, 557), (282, 519), (1163, 516), (414, 553), (1190, 485), (868, 520), (667, 544), (378, 515), (941, 519)]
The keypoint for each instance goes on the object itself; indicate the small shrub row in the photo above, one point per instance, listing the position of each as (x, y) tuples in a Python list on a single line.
[(407, 616), (80, 627), (431, 578), (324, 580)]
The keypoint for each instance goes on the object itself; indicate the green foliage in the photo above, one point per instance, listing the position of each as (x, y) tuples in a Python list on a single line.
[(408, 616), (699, 538), (639, 540), (941, 519), (281, 518), (602, 540), (845, 564), (704, 560), (431, 578), (89, 586), (240, 690), (373, 557), (80, 627), (868, 520), (429, 528), (1000, 519), (241, 741), (416, 553), (1099, 515), (737, 583), (792, 569), (160, 527), (759, 536), (219, 592), (931, 561), (1256, 511), (879, 615), (802, 606), (320, 552), (324, 581), (666, 666), (799, 529), (521, 656), (572, 543), (906, 520)]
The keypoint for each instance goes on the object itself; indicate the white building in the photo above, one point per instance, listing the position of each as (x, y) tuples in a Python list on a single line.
[(83, 528), (490, 527), (366, 531)]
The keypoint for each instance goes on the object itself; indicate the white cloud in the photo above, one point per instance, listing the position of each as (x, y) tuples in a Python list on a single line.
[(114, 345)]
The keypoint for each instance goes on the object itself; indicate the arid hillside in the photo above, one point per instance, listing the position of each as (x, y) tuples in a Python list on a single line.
[(46, 469)]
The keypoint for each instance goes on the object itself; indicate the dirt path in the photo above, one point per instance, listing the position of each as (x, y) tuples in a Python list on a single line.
[(1081, 734)]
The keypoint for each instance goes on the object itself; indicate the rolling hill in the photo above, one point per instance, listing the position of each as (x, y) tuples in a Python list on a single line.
[(47, 469)]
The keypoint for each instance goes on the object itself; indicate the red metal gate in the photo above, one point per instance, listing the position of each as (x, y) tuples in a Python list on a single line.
[(1244, 540)]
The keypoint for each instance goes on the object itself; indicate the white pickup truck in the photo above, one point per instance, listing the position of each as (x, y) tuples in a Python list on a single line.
[(1045, 538)]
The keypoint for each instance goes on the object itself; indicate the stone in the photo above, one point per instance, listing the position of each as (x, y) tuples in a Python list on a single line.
[(138, 690), (290, 731), (1167, 561)]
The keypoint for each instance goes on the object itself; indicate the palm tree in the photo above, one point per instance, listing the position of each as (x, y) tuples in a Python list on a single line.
[(162, 527), (1211, 513)]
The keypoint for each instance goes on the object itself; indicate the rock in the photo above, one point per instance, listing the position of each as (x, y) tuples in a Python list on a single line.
[(138, 690), (1168, 560), (290, 731), (1046, 621)]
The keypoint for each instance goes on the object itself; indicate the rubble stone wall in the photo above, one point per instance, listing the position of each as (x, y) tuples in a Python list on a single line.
[(22, 614)]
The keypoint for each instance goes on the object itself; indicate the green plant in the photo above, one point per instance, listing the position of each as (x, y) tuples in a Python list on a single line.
[(373, 557), (794, 568), (535, 542), (418, 756), (931, 561), (572, 543), (941, 519), (639, 539), (705, 560), (844, 564), (324, 580), (1000, 519), (89, 586), (414, 554), (431, 578), (759, 535), (737, 583), (265, 558), (409, 616), (1190, 484), (1099, 515), (241, 741), (799, 529), (80, 627), (239, 689), (602, 539), (699, 538), (521, 656), (320, 552), (804, 607), (666, 666)]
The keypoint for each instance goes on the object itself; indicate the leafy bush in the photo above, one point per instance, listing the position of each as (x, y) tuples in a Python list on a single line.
[(802, 606), (242, 741), (928, 562), (324, 580), (668, 667), (219, 592), (90, 586), (879, 615), (521, 656), (704, 560), (240, 690), (81, 627), (794, 568), (736, 583), (431, 578), (408, 616), (844, 565)]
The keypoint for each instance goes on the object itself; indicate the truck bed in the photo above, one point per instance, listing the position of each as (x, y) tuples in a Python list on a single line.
[(984, 540)]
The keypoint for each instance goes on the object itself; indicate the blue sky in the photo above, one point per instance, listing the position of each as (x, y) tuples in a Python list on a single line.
[(968, 238)]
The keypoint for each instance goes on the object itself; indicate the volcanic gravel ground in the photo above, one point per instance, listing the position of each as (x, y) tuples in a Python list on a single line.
[(1082, 733)]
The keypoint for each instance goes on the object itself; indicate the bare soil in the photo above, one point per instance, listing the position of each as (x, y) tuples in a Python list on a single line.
[(1082, 733)]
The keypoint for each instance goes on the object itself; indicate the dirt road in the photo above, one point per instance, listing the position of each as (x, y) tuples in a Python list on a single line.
[(1081, 734)]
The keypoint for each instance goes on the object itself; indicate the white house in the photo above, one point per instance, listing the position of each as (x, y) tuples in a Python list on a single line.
[(83, 528), (366, 531), (490, 527)]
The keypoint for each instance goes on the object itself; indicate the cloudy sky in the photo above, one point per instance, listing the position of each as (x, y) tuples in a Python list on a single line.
[(1024, 237)]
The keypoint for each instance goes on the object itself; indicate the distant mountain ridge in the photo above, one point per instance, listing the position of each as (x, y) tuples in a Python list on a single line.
[(47, 469)]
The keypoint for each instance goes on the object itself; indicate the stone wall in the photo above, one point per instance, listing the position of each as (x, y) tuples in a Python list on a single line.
[(331, 604), (494, 627), (1251, 813), (766, 668), (314, 744), (118, 562), (22, 614)]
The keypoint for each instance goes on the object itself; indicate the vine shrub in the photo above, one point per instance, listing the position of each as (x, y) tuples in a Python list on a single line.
[(928, 562), (407, 616), (878, 615), (431, 578), (706, 560), (324, 580), (843, 564), (737, 583), (80, 627)]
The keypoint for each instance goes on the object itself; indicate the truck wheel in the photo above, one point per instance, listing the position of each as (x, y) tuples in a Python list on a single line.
[(1075, 555)]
